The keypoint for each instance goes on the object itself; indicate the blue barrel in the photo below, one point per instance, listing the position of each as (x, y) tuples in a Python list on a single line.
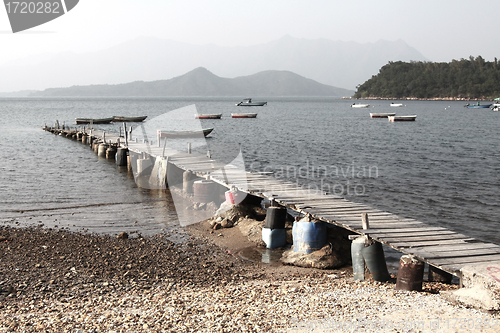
[(308, 236), (274, 237)]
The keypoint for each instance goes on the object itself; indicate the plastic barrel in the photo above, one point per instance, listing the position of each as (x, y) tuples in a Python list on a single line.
[(121, 157), (375, 260), (358, 262), (101, 150), (204, 191), (188, 178), (274, 237), (308, 236), (276, 218), (234, 197), (111, 152), (410, 274)]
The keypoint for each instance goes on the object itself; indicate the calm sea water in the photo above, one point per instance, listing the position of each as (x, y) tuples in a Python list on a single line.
[(442, 169)]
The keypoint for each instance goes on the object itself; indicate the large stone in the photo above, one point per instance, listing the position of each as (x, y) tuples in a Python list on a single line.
[(324, 258), (480, 287)]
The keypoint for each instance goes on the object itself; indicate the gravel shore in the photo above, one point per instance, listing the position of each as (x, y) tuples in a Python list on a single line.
[(58, 281)]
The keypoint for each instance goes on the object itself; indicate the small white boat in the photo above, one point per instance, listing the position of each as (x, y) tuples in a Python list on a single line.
[(402, 118), (381, 115), (496, 107), (354, 105), (244, 115), (207, 116), (396, 105)]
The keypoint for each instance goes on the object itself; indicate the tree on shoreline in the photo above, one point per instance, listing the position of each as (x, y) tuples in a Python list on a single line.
[(472, 78)]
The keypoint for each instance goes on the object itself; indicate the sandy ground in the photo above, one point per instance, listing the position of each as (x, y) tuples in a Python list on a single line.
[(58, 281)]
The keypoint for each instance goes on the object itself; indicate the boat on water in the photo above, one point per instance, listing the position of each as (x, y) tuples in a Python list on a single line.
[(129, 119), (396, 105), (184, 134), (208, 116), (248, 102), (94, 120), (244, 115), (354, 105), (496, 107), (402, 118), (381, 115), (477, 106)]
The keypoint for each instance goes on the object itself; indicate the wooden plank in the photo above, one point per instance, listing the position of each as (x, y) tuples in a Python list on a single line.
[(410, 244), (456, 254), (468, 260), (458, 247), (426, 238)]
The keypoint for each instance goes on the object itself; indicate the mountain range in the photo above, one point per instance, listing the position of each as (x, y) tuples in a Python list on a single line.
[(335, 63), (201, 82)]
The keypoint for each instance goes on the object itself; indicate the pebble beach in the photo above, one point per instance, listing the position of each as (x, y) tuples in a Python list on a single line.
[(61, 281)]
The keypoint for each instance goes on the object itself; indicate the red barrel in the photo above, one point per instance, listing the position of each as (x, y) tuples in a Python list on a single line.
[(410, 274)]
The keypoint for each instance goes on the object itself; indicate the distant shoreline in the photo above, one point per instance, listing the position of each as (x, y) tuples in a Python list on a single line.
[(420, 99)]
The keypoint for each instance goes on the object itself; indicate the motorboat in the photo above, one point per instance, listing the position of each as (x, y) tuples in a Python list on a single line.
[(396, 105), (94, 120), (185, 134), (354, 105), (477, 106), (208, 116), (244, 115), (402, 118), (129, 119), (248, 102), (381, 115)]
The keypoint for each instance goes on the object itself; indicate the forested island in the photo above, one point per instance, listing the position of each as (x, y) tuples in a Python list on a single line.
[(472, 78)]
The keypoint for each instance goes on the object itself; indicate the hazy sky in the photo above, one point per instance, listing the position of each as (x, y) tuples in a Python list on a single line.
[(441, 30)]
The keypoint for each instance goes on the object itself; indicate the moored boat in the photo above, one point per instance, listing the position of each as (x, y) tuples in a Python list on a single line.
[(354, 105), (244, 115), (93, 120), (184, 134), (396, 105), (381, 115), (129, 119), (208, 116), (402, 118), (248, 102), (477, 106)]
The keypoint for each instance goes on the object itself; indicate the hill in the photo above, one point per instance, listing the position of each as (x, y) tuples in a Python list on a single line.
[(336, 63), (201, 82), (472, 78)]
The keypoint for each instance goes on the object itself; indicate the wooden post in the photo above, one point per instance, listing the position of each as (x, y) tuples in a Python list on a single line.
[(364, 221), (164, 146), (125, 133), (189, 147)]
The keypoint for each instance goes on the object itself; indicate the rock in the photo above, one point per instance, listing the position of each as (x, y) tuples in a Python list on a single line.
[(324, 258), (481, 287), (226, 223), (216, 226), (122, 235)]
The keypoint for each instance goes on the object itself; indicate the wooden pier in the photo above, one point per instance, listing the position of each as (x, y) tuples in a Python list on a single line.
[(437, 246)]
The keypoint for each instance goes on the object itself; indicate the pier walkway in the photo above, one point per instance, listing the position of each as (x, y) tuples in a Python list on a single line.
[(437, 246)]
